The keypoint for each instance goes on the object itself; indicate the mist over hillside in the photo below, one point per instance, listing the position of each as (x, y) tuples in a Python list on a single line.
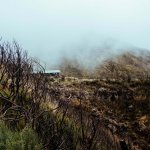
[(89, 51), (99, 61)]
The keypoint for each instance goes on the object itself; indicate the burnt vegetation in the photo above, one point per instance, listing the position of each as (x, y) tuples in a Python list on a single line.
[(110, 109)]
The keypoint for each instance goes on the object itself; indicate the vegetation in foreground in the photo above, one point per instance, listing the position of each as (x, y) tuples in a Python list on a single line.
[(71, 113), (18, 140)]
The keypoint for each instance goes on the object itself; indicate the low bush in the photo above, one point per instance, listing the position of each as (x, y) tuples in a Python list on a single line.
[(18, 140)]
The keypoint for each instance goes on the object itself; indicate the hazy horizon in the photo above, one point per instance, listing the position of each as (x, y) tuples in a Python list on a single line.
[(51, 28)]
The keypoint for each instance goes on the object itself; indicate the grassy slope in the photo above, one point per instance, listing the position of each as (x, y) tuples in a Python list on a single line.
[(123, 107)]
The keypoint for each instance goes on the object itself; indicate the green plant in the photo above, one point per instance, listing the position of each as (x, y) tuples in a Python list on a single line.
[(18, 140)]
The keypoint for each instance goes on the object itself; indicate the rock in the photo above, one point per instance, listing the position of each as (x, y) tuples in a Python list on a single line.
[(130, 107)]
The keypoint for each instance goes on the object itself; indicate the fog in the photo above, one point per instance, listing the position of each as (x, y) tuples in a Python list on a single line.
[(50, 29)]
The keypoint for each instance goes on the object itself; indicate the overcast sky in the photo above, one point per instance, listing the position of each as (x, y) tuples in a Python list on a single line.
[(47, 27)]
